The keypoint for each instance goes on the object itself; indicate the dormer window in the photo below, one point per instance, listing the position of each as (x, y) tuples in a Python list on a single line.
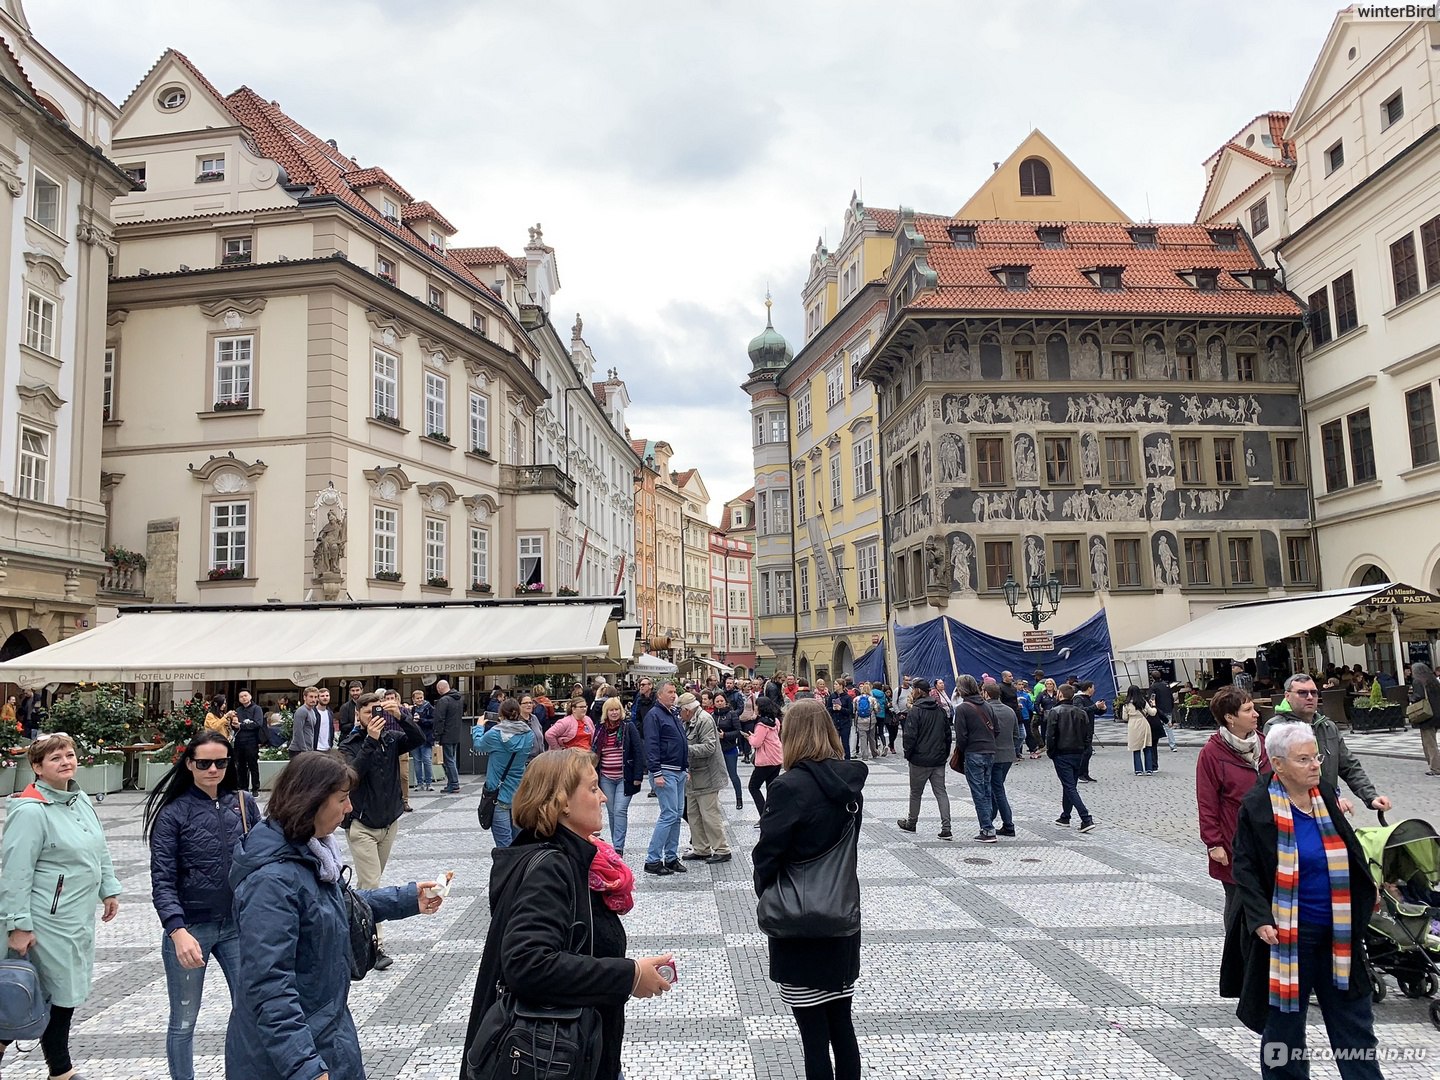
[(1224, 239), (1202, 279), (1014, 278), (1110, 278), (1143, 238), (963, 236), (385, 268), (435, 297), (391, 210), (1266, 140), (1258, 280), (1051, 236), (437, 241)]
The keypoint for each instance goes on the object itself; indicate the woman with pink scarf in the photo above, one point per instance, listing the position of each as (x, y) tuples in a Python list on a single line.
[(612, 889)]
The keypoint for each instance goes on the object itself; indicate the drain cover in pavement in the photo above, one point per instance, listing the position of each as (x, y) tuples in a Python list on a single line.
[(1029, 860), (978, 862)]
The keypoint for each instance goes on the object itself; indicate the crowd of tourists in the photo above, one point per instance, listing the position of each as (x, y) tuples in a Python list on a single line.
[(271, 895)]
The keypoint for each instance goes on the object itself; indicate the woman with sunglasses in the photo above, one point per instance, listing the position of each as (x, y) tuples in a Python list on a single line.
[(193, 820)]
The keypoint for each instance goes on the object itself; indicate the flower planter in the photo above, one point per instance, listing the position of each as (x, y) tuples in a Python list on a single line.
[(7, 781), (151, 773), (98, 779), (1197, 717), (24, 774), (1389, 717), (269, 771)]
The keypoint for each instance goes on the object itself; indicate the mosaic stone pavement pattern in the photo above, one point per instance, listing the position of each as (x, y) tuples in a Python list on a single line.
[(1053, 955)]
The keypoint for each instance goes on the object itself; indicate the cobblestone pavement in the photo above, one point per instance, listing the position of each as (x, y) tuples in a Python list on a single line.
[(1052, 955)]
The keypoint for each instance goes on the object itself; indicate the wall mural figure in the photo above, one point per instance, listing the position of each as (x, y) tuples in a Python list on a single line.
[(1167, 566), (926, 475), (1277, 361), (1213, 366), (1090, 457), (961, 553), (1035, 505), (1027, 462), (1099, 564), (1087, 358), (1159, 457), (1158, 488), (1250, 463), (954, 364), (1034, 558), (1157, 360), (952, 459), (1117, 409), (993, 409)]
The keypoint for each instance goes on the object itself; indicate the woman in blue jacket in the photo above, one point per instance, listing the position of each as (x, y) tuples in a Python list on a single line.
[(510, 745), (193, 820), (291, 1019)]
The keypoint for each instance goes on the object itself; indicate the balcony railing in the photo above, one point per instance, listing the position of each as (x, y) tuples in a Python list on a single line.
[(538, 479), (123, 580)]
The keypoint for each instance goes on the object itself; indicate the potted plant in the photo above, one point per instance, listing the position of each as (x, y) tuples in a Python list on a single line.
[(523, 589), (227, 573), (386, 418), (232, 405), (1195, 712), (1376, 713), (566, 590), (155, 764), (209, 175), (438, 582), (387, 575), (480, 451), (124, 558), (235, 258), (272, 761), (12, 750), (100, 718), (480, 587), (438, 436)]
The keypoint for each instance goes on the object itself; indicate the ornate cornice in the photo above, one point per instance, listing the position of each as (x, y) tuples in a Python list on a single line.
[(34, 260), (388, 481), (437, 496), (388, 328), (216, 309), (228, 463)]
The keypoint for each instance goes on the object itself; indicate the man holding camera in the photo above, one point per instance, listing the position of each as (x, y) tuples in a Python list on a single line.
[(384, 733)]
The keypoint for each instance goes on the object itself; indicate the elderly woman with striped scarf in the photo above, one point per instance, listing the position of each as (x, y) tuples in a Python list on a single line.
[(1305, 900)]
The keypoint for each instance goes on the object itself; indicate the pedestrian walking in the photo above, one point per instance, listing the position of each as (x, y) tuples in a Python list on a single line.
[(193, 819), (1225, 772), (728, 723), (621, 766), (667, 758), (304, 724), (449, 713), (1162, 696), (702, 788), (975, 752), (842, 712), (1302, 702), (1424, 713), (765, 744), (899, 707), (1009, 746), (1085, 699), (1137, 713), (816, 807), (422, 761), (864, 708), (507, 745), (1068, 735), (927, 750)]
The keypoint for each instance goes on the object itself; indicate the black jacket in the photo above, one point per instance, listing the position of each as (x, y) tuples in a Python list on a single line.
[(377, 799), (1164, 698), (1245, 962), (541, 951), (727, 722), (927, 734), (775, 692), (632, 751), (449, 713), (191, 844), (250, 723), (974, 726), (1069, 729), (804, 817)]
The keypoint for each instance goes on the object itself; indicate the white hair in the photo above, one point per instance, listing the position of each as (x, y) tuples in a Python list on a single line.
[(1285, 736)]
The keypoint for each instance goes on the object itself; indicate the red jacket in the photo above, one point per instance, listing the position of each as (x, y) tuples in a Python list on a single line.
[(1222, 779)]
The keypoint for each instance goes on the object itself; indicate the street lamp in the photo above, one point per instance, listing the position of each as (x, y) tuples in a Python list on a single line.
[(1044, 598)]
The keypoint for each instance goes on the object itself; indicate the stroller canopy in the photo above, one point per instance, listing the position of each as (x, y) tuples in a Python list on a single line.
[(1407, 852)]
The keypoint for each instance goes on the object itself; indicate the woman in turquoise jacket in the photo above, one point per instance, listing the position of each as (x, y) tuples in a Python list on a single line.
[(56, 868), (508, 745)]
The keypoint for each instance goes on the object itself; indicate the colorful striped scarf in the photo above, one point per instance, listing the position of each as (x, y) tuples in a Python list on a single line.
[(1285, 905)]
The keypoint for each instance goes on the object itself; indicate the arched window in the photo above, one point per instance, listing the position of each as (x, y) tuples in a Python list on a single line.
[(1035, 177)]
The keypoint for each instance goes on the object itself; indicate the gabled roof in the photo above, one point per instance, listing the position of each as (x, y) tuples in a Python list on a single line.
[(194, 72), (1271, 165), (1151, 281), (376, 177), (423, 211), (489, 256), (1037, 144)]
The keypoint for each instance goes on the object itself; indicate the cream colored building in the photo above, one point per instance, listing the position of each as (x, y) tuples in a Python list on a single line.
[(695, 535), (669, 553), (311, 395), (57, 182), (1363, 253)]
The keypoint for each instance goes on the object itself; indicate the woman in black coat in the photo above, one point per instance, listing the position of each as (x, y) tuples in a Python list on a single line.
[(806, 815), (552, 941), (1313, 914)]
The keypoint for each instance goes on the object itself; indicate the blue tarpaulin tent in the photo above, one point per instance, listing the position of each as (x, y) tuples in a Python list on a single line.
[(1084, 652), (871, 666)]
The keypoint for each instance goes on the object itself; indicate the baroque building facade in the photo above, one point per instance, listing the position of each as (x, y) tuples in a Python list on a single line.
[(57, 182), (1116, 404)]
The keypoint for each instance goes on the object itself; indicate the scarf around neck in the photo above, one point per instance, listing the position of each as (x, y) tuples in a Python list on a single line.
[(1249, 749), (328, 852), (611, 878), (1285, 904)]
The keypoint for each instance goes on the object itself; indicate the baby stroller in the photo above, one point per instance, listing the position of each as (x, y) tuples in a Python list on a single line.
[(1403, 940)]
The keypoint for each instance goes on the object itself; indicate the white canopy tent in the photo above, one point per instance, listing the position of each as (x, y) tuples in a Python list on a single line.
[(305, 643), (1242, 629), (723, 669), (646, 664)]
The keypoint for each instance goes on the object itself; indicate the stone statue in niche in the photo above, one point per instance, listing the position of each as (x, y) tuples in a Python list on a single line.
[(1277, 361), (1157, 361), (1250, 465), (1099, 564), (1167, 566), (1090, 457), (960, 556), (329, 545), (1087, 358), (1027, 461), (952, 459), (926, 473), (937, 567), (1213, 366)]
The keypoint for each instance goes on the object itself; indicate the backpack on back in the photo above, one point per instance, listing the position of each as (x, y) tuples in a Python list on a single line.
[(364, 940), (864, 705)]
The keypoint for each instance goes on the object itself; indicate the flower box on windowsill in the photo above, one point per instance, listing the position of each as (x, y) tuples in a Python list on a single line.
[(232, 405), (565, 590), (387, 575), (226, 573), (480, 587), (389, 423), (387, 579), (210, 176), (387, 278), (437, 307), (210, 414), (438, 583), (440, 438), (226, 582), (237, 258), (538, 588)]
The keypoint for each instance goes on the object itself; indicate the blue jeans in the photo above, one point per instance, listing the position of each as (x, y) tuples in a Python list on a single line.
[(617, 805), (977, 775), (842, 728), (1151, 764), (1067, 767), (422, 767), (1144, 760), (187, 984), (665, 840), (452, 770), (1348, 1021), (998, 771), (732, 766), (1169, 730), (502, 831)]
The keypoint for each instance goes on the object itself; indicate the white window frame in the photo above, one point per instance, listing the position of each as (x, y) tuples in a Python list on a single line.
[(857, 357), (834, 385), (530, 546), (863, 455), (211, 165), (385, 267), (803, 569), (389, 209), (231, 536), (42, 316), (43, 181), (385, 383), (479, 422), (235, 369), (784, 583), (802, 410), (238, 245), (33, 468), (867, 568), (837, 485), (762, 513), (802, 512), (437, 548), (780, 511), (384, 540), (437, 421), (107, 384), (479, 557)]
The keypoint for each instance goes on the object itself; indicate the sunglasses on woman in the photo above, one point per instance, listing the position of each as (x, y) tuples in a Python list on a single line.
[(211, 763)]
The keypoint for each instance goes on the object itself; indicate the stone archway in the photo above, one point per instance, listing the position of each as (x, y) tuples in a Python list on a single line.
[(1369, 574), (802, 669), (844, 658), (22, 642)]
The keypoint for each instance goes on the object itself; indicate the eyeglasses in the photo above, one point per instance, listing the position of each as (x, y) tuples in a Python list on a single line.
[(1312, 692), (206, 764), (1306, 760)]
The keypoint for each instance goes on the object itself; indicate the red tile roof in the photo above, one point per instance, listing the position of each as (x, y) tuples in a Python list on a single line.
[(423, 211), (639, 445), (489, 256), (680, 479), (1152, 285), (885, 219), (30, 88), (598, 389), (376, 177), (184, 61), (1279, 121)]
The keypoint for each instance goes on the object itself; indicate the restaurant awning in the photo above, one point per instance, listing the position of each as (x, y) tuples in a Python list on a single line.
[(305, 643), (1239, 630), (724, 669)]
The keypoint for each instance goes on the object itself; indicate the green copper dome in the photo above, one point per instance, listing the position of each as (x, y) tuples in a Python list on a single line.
[(768, 349)]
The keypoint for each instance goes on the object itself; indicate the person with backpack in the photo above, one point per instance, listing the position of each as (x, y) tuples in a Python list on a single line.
[(193, 819), (296, 916), (56, 868), (507, 746), (864, 723)]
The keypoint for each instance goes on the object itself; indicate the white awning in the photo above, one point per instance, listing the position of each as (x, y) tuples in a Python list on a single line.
[(724, 669), (1239, 630), (307, 643), (646, 664)]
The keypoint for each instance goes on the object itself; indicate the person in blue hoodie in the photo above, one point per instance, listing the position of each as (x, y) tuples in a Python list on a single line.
[(291, 1019), (508, 744)]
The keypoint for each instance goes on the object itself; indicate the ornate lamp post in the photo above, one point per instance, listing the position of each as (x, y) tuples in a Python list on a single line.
[(1044, 598)]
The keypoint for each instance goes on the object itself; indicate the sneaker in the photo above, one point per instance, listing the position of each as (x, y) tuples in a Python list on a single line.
[(409, 808), (986, 838), (719, 857), (739, 804), (1007, 830), (908, 826), (1062, 823), (1088, 826), (675, 866), (1174, 749), (382, 960), (944, 834), (659, 869), (652, 795)]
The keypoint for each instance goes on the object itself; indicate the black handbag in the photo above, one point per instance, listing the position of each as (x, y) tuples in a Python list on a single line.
[(490, 796), (517, 1040), (819, 897)]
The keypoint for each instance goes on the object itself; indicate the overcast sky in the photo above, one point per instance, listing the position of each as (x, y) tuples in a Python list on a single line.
[(682, 156)]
